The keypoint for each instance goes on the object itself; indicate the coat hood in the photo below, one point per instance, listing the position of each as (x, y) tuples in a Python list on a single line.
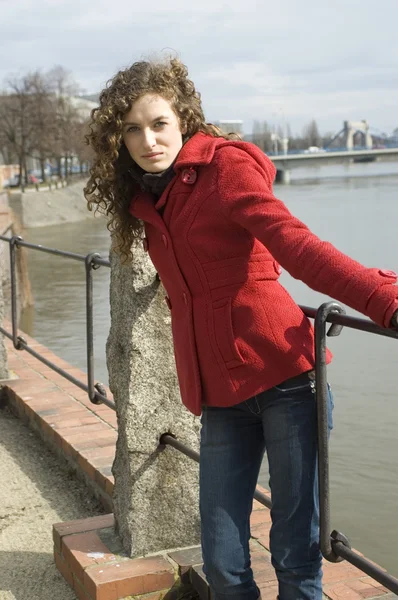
[(202, 148)]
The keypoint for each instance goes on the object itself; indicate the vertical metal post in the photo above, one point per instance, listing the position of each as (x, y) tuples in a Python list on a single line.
[(323, 428), (90, 326), (13, 276)]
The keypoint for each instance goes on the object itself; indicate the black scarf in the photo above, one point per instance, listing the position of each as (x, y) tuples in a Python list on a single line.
[(155, 183)]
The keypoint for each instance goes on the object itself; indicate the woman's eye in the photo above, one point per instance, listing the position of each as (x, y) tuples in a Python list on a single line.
[(160, 124), (131, 128)]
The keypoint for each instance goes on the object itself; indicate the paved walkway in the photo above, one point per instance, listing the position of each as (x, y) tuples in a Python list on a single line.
[(35, 492)]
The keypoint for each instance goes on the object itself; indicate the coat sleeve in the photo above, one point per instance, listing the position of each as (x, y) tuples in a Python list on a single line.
[(245, 192)]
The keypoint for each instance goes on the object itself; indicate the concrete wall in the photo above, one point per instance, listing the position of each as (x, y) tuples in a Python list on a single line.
[(63, 205)]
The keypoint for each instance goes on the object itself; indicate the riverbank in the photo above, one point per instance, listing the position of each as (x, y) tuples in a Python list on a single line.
[(50, 207)]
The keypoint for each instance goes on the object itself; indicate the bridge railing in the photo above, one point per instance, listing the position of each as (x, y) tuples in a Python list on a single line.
[(314, 153), (335, 546)]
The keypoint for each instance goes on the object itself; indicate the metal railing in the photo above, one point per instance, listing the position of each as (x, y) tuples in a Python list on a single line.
[(96, 391), (335, 546)]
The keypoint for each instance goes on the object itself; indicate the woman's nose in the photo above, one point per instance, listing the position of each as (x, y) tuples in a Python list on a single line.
[(149, 139)]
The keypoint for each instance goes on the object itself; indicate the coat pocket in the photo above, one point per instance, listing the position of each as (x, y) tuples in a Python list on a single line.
[(225, 338)]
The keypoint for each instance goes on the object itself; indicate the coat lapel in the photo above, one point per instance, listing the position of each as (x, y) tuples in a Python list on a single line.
[(198, 150), (143, 207)]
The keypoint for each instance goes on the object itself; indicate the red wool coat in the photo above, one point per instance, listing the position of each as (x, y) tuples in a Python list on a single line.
[(217, 248)]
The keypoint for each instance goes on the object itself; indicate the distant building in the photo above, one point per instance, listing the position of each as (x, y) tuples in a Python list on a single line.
[(91, 97), (7, 172), (84, 105), (231, 126)]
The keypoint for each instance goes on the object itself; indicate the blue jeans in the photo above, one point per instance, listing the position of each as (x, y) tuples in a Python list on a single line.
[(282, 422)]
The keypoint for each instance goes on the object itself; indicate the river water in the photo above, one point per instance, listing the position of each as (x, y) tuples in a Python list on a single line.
[(356, 208)]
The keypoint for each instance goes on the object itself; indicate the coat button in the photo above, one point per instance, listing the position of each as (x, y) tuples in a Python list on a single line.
[(145, 244), (189, 176), (278, 269), (167, 300), (386, 273), (164, 240)]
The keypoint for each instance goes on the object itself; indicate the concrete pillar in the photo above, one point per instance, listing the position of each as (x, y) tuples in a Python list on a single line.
[(283, 176), (285, 145), (156, 490), (368, 140), (350, 140)]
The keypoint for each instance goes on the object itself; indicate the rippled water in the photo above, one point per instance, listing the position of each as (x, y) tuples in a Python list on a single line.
[(356, 208)]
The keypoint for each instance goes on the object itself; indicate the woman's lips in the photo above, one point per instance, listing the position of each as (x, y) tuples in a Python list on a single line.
[(152, 156)]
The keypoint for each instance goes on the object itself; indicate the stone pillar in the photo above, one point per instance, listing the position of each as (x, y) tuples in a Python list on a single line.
[(156, 490), (283, 176)]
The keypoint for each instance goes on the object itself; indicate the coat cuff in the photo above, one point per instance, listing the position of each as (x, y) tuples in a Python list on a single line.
[(384, 302), (389, 313)]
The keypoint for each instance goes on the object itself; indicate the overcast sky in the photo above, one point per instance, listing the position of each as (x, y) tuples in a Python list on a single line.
[(286, 60)]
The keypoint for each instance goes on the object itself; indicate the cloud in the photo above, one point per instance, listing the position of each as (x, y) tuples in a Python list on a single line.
[(250, 60)]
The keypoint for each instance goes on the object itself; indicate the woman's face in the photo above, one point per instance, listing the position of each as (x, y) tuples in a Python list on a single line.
[(152, 134)]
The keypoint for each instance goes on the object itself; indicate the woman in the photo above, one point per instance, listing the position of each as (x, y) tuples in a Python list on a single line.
[(203, 206)]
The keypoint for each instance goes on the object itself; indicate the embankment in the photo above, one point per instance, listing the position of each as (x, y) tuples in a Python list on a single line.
[(50, 207), (9, 227)]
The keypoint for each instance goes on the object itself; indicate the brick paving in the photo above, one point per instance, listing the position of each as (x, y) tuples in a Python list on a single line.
[(62, 414), (85, 434)]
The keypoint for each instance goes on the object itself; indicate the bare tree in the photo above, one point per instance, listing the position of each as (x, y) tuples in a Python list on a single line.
[(7, 151), (16, 121), (40, 118), (256, 138), (262, 135), (44, 120), (311, 134), (64, 88), (266, 137), (81, 149)]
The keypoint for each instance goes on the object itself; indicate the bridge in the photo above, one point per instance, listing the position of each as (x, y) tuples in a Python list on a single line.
[(285, 162), (356, 142)]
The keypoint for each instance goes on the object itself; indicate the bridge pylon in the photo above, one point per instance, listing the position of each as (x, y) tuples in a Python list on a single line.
[(353, 127)]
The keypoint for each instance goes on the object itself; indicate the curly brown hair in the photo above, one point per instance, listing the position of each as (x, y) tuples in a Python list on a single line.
[(110, 187)]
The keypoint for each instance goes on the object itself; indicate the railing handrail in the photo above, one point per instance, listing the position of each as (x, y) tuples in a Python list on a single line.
[(96, 391), (344, 320), (334, 546)]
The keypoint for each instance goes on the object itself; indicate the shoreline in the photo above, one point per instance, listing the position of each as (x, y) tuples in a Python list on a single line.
[(50, 207)]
